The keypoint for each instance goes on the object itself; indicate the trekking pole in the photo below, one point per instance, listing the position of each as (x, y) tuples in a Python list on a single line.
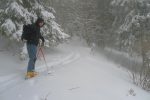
[(38, 52), (40, 49)]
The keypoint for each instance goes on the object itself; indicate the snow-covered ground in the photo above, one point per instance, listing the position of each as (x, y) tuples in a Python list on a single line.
[(76, 74)]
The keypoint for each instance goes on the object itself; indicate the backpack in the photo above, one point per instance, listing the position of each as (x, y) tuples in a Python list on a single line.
[(26, 32)]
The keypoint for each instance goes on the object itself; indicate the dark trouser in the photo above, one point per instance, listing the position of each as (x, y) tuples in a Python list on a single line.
[(32, 51)]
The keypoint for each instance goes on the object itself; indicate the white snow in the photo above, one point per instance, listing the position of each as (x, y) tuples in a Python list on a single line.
[(122, 2), (119, 2), (76, 75), (20, 1), (15, 8), (9, 26), (58, 31), (47, 14)]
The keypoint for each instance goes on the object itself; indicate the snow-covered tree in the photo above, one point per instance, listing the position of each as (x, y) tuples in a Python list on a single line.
[(133, 34), (15, 13)]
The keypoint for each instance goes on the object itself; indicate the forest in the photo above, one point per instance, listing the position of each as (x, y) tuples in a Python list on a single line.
[(120, 25)]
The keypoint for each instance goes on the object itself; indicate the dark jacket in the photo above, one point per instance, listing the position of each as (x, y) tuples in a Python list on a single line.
[(35, 35)]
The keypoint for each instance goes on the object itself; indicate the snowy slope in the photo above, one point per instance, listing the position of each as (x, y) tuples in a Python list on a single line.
[(76, 75)]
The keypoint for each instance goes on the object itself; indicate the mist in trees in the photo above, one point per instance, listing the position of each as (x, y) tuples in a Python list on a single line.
[(121, 25)]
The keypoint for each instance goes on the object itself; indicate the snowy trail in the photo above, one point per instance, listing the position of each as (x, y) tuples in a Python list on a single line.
[(16, 79), (76, 76), (59, 62)]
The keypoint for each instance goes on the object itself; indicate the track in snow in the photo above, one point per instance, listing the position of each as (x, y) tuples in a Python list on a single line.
[(16, 79)]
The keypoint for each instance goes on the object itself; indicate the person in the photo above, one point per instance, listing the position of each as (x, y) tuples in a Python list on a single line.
[(32, 46)]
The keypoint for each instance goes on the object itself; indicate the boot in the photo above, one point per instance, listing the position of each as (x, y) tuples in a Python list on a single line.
[(29, 75), (35, 73)]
